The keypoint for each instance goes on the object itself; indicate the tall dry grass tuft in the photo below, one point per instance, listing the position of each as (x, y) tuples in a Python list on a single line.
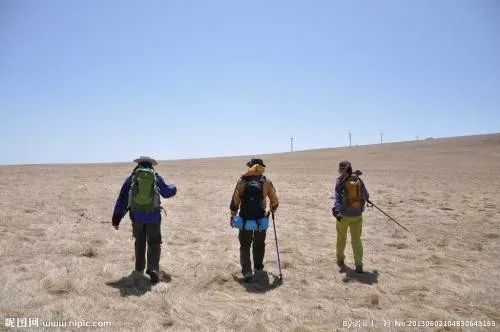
[(88, 251)]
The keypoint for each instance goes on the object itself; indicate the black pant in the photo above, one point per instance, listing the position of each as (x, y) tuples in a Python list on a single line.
[(259, 244), (150, 233)]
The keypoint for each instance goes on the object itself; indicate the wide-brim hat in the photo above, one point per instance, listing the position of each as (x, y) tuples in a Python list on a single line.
[(146, 159), (255, 161)]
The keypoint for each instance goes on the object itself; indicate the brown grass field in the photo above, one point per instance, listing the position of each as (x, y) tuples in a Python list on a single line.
[(61, 260)]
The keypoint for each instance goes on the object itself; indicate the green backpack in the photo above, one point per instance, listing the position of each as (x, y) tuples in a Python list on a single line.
[(143, 195)]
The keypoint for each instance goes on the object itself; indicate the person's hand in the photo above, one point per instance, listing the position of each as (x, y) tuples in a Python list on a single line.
[(337, 215), (116, 221), (231, 218)]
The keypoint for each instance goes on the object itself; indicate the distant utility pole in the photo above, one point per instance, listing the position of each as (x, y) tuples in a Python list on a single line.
[(381, 137), (417, 138), (350, 138), (291, 144)]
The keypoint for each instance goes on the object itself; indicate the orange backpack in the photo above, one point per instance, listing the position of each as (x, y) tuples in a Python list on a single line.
[(353, 194)]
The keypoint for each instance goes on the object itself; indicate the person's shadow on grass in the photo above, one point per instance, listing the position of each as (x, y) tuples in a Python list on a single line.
[(135, 284), (366, 277), (260, 283)]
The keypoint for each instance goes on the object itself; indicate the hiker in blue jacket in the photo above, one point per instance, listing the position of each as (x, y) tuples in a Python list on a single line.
[(140, 194)]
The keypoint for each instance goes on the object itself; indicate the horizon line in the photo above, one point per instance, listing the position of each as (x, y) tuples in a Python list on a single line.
[(246, 155)]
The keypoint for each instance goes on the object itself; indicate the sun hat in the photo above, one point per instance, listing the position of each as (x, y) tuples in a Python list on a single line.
[(255, 161), (146, 159)]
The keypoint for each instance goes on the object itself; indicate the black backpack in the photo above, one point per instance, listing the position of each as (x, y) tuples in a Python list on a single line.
[(252, 205)]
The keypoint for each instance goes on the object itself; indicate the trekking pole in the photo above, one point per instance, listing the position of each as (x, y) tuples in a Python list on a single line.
[(388, 216), (277, 250)]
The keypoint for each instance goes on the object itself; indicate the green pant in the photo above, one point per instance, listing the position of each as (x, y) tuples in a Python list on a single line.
[(355, 224)]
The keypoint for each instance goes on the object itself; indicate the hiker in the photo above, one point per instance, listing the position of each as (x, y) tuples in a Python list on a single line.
[(350, 198), (140, 194), (249, 197)]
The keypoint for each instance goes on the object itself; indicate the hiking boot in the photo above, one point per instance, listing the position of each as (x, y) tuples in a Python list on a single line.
[(154, 276), (359, 269), (248, 277), (340, 262)]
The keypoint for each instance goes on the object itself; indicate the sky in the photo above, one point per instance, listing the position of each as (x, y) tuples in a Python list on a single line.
[(105, 81)]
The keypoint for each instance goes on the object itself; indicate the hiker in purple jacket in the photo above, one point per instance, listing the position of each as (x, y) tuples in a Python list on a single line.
[(140, 196), (350, 199)]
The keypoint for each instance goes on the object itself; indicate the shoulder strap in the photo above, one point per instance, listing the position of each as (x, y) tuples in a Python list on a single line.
[(344, 181), (262, 181), (156, 181)]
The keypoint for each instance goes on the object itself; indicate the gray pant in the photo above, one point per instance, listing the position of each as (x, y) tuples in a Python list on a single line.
[(150, 233)]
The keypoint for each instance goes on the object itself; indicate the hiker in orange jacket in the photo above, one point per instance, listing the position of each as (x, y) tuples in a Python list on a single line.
[(250, 198)]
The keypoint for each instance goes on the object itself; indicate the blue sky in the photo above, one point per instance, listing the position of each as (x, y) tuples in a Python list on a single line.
[(99, 81)]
